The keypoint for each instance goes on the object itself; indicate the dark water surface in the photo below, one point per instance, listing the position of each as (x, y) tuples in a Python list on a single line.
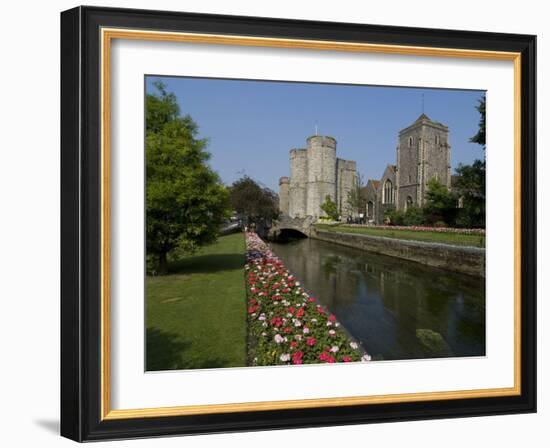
[(397, 309)]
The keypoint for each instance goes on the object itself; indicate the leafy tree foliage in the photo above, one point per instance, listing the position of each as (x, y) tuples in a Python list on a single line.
[(330, 208), (356, 201), (253, 201), (440, 206), (186, 202), (471, 188), (413, 216), (480, 136), (471, 181)]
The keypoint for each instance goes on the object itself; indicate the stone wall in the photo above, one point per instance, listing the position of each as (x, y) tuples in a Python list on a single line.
[(346, 178), (423, 153), (321, 173), (283, 195), (467, 260), (297, 184)]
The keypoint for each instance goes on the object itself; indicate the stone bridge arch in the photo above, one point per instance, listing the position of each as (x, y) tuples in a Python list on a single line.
[(286, 225)]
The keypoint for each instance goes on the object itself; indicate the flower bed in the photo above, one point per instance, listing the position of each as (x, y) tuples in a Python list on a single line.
[(285, 324), (424, 229)]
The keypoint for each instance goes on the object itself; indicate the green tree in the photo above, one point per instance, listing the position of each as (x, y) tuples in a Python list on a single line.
[(440, 205), (186, 203), (471, 189), (413, 216), (330, 208), (356, 202), (470, 185), (479, 138), (253, 201)]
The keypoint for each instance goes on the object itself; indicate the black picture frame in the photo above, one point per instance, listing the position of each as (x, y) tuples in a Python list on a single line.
[(81, 224)]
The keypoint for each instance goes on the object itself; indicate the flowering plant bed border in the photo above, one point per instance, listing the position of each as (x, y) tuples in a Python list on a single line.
[(285, 324)]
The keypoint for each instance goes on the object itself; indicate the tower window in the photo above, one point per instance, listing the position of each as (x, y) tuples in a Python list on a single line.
[(388, 192)]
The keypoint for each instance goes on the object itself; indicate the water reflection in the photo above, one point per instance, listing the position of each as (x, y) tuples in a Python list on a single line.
[(397, 309)]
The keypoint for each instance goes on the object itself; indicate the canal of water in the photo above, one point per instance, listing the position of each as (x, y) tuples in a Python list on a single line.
[(397, 309)]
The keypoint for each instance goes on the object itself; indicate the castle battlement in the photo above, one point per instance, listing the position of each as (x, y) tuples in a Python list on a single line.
[(316, 173)]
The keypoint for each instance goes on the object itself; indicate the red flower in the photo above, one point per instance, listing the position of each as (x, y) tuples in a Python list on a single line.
[(297, 357), (276, 321), (252, 309), (311, 341), (326, 357)]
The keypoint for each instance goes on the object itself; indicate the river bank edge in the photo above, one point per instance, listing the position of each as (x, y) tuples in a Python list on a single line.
[(464, 259)]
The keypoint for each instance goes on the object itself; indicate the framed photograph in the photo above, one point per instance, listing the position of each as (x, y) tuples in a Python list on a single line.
[(273, 223)]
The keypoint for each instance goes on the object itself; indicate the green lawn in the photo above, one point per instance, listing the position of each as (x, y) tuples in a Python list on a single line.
[(435, 237), (196, 315)]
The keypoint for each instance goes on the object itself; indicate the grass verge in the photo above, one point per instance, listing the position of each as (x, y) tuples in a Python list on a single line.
[(196, 315), (456, 239)]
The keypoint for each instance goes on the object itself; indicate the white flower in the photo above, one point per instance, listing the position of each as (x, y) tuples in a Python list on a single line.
[(334, 348), (278, 338), (353, 345), (285, 357), (365, 358)]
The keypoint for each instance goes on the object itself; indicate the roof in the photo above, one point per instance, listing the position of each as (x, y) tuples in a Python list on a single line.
[(375, 183)]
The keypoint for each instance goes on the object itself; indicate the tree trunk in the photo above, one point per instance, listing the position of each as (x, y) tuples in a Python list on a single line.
[(163, 264)]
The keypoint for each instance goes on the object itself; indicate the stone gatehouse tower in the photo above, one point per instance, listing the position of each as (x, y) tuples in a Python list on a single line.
[(315, 173), (423, 153)]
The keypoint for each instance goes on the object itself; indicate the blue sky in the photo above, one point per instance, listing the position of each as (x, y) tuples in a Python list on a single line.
[(252, 125)]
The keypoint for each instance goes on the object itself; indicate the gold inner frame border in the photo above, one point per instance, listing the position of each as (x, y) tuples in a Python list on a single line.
[(107, 35)]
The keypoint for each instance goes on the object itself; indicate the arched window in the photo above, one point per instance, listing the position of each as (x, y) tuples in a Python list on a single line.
[(370, 209), (388, 192), (409, 202)]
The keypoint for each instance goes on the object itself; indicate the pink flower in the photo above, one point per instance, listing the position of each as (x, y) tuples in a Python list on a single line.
[(297, 357)]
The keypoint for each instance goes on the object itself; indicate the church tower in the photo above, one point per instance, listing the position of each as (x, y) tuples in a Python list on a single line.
[(423, 153)]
